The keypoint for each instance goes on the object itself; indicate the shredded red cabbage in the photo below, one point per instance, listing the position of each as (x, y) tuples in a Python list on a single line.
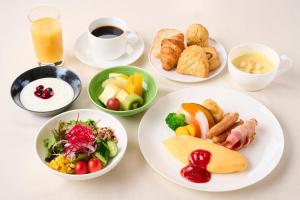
[(80, 139)]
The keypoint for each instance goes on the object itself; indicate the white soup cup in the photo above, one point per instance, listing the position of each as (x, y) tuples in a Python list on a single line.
[(254, 82)]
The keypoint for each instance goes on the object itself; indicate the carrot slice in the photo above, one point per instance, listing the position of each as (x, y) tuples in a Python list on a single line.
[(193, 108), (193, 122)]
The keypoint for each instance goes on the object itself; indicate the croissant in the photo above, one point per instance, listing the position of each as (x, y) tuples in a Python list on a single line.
[(162, 34), (170, 51)]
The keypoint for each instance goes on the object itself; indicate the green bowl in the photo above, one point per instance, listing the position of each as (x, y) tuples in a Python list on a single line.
[(149, 88)]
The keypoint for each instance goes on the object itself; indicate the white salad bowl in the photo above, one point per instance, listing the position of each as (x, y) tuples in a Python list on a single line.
[(83, 114)]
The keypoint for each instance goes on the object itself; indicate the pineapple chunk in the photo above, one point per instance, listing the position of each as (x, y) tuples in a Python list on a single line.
[(111, 75), (118, 81), (109, 91), (122, 94)]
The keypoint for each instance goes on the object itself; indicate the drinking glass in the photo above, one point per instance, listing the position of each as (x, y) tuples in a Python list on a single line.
[(46, 35)]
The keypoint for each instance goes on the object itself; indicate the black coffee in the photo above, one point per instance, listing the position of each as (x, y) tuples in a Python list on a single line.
[(107, 32)]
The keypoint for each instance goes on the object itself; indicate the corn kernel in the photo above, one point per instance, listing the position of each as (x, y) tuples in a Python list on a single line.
[(62, 164)]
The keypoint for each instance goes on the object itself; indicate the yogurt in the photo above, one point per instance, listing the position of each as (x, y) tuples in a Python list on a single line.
[(63, 95)]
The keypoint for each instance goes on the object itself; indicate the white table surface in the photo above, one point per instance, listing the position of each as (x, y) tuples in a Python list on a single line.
[(275, 23)]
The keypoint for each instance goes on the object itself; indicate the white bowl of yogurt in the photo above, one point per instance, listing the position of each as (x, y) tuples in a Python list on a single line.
[(46, 90)]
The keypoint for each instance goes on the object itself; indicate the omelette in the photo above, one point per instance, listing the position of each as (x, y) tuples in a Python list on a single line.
[(223, 160)]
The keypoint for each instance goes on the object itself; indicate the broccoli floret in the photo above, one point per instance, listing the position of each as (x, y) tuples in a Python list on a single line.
[(175, 120)]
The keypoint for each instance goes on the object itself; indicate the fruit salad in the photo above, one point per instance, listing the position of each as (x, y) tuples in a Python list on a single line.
[(80, 147), (122, 92)]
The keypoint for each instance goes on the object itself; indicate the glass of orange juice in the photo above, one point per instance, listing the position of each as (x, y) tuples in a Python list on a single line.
[(46, 35)]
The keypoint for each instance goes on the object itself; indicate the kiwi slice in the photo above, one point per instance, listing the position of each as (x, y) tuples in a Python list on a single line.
[(132, 101)]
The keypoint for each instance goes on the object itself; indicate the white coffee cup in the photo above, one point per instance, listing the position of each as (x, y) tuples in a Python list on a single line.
[(254, 82), (113, 47)]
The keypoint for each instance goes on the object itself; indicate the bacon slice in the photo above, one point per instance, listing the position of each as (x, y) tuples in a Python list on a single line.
[(250, 125), (233, 138), (241, 136), (221, 139)]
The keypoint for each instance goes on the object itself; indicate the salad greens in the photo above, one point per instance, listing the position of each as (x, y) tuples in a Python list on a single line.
[(103, 145)]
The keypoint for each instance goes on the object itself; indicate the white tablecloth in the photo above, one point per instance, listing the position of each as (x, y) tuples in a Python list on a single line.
[(272, 22)]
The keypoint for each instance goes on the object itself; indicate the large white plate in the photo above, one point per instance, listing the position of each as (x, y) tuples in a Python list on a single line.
[(173, 75), (263, 154)]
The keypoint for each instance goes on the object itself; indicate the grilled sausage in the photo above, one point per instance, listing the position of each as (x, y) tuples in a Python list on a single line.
[(222, 137), (227, 121)]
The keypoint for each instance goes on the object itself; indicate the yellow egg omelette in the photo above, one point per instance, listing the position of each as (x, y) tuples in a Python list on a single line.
[(222, 161)]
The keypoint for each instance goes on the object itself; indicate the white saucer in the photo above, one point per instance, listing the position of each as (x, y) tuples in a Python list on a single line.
[(173, 75), (82, 52)]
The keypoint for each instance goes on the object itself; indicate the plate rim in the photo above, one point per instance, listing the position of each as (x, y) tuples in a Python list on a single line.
[(268, 172), (193, 81)]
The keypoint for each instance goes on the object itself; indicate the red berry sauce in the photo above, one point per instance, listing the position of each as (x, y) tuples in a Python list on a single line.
[(196, 171), (43, 93)]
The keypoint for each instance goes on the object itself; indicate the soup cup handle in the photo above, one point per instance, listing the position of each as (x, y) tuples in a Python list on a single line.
[(285, 64), (132, 37)]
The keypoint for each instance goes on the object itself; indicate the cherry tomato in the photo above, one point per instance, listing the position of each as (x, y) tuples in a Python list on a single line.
[(94, 165), (113, 104), (81, 167)]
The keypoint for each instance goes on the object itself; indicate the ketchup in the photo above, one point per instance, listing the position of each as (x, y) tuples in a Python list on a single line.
[(196, 171)]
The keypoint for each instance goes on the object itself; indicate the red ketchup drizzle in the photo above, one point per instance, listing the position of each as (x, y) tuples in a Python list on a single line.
[(196, 171), (79, 138)]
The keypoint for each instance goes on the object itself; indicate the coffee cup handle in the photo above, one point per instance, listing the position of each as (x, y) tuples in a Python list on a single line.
[(132, 37), (285, 64)]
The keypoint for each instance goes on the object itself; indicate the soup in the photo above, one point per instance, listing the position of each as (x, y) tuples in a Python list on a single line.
[(253, 63)]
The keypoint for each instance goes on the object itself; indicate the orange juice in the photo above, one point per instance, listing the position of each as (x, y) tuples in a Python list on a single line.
[(47, 40)]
